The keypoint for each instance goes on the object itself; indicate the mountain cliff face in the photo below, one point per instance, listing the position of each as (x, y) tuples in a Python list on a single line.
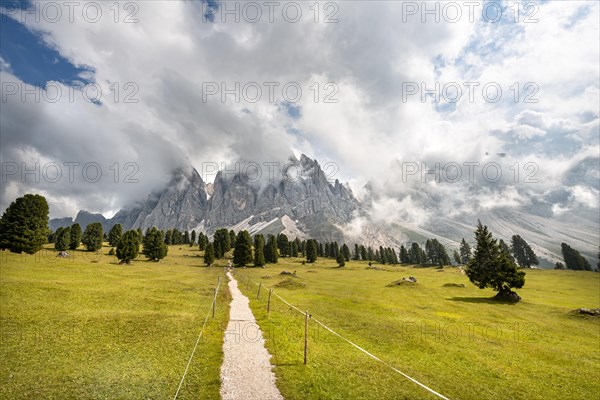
[(301, 202), (304, 196), (181, 204)]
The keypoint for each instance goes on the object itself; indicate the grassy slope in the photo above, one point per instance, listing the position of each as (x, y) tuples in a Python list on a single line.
[(452, 339), (73, 328)]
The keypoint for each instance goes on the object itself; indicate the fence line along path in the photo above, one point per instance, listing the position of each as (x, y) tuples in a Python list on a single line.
[(246, 372)]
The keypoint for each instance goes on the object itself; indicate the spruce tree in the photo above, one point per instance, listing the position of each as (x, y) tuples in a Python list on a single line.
[(75, 239), (491, 267), (345, 252), (202, 241), (340, 259), (456, 256), (242, 253), (259, 251), (363, 252), (271, 254), (155, 247), (115, 235), (404, 257), (63, 240), (573, 259), (523, 253), (193, 238), (209, 254), (128, 246), (311, 251), (465, 252), (92, 236), (24, 224), (293, 249), (283, 245), (232, 239)]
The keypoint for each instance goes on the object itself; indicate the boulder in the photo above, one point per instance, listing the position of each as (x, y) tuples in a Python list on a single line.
[(62, 254), (461, 285), (589, 311), (508, 296)]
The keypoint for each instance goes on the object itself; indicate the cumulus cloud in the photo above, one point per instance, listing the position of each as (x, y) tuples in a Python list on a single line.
[(373, 130)]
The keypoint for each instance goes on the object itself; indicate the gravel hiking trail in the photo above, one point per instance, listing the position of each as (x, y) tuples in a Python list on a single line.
[(246, 372)]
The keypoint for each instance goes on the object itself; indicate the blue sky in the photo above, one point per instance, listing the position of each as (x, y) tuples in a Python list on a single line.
[(31, 59)]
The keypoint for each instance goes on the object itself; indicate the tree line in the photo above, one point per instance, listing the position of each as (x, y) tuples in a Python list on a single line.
[(24, 228)]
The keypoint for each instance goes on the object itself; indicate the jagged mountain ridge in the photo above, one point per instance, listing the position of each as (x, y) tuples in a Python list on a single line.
[(304, 203)]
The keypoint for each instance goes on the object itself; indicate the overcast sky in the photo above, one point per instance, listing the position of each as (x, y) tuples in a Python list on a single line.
[(529, 104)]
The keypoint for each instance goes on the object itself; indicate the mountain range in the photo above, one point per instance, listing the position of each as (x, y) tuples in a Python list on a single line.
[(305, 204)]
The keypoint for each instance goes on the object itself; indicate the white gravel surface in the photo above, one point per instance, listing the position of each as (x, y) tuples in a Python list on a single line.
[(246, 372)]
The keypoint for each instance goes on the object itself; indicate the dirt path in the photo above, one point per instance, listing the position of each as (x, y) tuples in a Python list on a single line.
[(246, 371)]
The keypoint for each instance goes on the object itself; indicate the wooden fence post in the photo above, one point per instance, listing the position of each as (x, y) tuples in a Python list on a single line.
[(269, 301), (258, 294), (305, 336), (214, 303)]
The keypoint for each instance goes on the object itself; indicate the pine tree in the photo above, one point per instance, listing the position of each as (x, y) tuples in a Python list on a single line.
[(63, 239), (193, 238), (573, 259), (115, 235), (340, 259), (311, 251), (271, 255), (293, 249), (259, 253), (75, 239), (209, 254), (24, 224), (370, 254), (491, 267), (52, 237), (221, 242), (92, 236), (186, 237), (232, 239), (202, 241), (456, 256), (363, 252), (404, 257), (283, 245), (465, 252), (523, 253), (356, 254), (128, 246), (168, 236), (140, 235), (345, 252), (155, 247), (242, 253)]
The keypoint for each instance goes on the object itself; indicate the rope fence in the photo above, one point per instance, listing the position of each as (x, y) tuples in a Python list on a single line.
[(307, 315), (213, 305)]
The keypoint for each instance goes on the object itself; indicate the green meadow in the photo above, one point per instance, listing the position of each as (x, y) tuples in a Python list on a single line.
[(87, 328), (453, 339)]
